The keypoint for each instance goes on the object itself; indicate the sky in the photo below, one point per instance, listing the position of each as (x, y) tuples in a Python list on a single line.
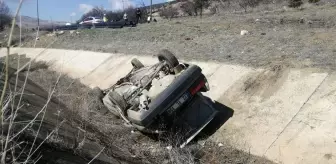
[(67, 10)]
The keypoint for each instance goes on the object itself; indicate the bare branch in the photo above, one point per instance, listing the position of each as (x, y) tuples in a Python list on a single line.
[(38, 131), (97, 155), (52, 132), (3, 158)]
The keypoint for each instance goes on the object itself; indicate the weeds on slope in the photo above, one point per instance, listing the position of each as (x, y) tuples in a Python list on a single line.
[(39, 120)]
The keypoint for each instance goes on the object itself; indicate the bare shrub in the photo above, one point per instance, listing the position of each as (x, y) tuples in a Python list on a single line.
[(169, 12), (118, 15), (200, 5), (213, 10), (222, 5), (295, 3), (114, 16), (245, 4), (196, 7), (188, 8), (5, 17)]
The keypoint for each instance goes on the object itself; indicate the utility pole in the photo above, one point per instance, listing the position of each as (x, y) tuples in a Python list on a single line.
[(150, 8), (38, 17), (38, 22), (20, 31)]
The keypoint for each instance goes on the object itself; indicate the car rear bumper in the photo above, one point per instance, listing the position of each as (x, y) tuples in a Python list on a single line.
[(194, 119), (184, 128)]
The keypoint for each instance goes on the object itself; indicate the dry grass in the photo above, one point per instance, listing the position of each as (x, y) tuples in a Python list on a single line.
[(27, 36), (298, 38)]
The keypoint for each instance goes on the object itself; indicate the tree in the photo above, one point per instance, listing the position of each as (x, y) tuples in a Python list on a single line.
[(200, 5), (5, 17), (295, 3), (114, 16), (188, 8), (118, 15)]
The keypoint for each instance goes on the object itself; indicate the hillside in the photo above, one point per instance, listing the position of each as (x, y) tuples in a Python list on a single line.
[(30, 22), (294, 37)]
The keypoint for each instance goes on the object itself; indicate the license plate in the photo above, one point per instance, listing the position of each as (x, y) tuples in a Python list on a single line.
[(178, 103)]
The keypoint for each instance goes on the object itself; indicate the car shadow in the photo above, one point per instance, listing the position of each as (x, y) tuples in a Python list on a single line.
[(223, 115)]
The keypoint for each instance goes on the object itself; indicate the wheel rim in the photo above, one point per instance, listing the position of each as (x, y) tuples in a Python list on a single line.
[(163, 60)]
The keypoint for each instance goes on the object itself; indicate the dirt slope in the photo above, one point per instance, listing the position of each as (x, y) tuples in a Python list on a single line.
[(121, 143)]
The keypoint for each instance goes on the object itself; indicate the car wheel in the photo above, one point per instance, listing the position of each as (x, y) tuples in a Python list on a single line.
[(167, 56), (117, 99), (136, 63)]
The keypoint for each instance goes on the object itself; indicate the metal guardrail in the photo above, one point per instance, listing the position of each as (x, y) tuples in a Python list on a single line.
[(119, 24)]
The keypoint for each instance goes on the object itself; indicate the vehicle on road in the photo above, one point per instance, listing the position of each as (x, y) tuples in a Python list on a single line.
[(162, 98), (95, 22), (91, 20)]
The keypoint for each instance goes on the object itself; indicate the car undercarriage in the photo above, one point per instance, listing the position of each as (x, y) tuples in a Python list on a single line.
[(161, 98)]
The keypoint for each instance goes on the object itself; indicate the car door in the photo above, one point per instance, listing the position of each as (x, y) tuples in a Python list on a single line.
[(88, 20), (97, 20)]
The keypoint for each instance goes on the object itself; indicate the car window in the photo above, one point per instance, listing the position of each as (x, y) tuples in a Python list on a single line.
[(88, 19)]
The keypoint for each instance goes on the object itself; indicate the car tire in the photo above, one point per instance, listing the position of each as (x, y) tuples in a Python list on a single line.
[(136, 63), (167, 56), (117, 99)]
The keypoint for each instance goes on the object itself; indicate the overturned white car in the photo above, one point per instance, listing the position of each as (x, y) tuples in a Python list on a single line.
[(164, 97)]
